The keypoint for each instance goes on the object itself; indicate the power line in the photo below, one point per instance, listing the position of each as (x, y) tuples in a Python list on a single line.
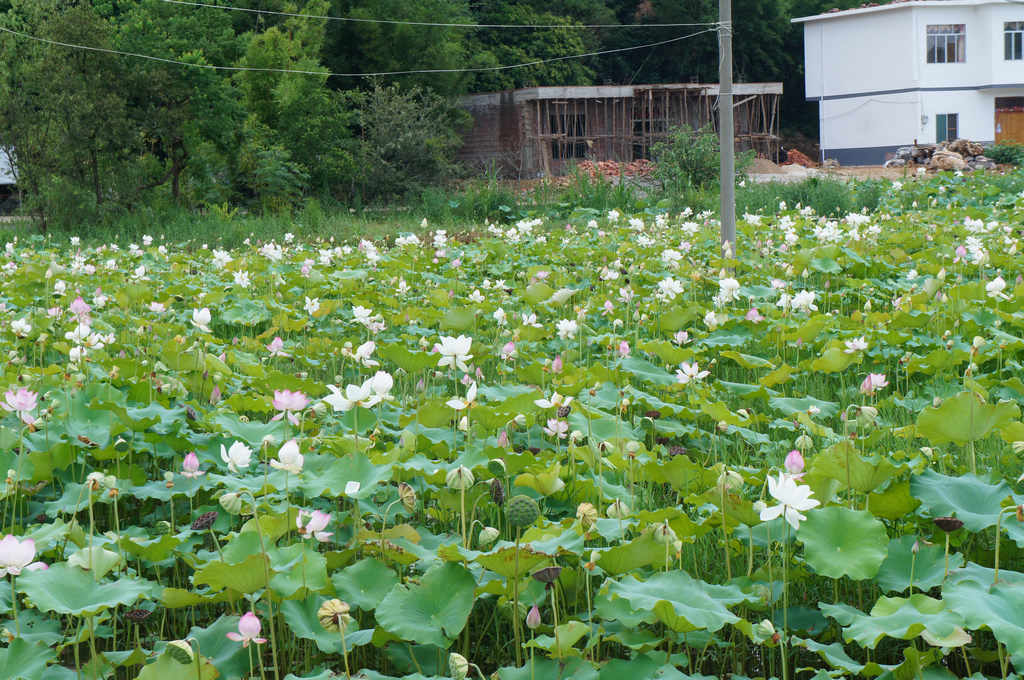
[(426, 23), (480, 69)]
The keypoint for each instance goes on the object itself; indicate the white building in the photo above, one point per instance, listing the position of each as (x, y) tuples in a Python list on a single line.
[(6, 174), (925, 70)]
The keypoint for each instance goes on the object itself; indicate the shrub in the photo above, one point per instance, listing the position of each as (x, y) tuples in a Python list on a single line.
[(691, 159), (1006, 152)]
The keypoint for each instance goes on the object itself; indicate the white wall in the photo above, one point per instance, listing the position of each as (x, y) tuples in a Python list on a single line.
[(878, 120), (6, 174), (863, 53), (1003, 72), (975, 111)]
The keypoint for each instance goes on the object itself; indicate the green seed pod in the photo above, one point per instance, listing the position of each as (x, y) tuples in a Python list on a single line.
[(522, 511)]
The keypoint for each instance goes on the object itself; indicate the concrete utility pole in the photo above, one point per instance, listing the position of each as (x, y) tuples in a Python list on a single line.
[(726, 129)]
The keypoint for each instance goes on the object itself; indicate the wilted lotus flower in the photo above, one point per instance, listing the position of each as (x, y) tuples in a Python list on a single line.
[(334, 615), (872, 383), (16, 556), (586, 513), (407, 494), (487, 536), (318, 521), (547, 575), (617, 510), (248, 630), (21, 402), (460, 478), (289, 458)]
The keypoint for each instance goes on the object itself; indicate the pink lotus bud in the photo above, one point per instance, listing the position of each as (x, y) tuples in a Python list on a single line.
[(794, 462), (215, 395), (556, 365), (623, 349), (503, 439), (533, 618)]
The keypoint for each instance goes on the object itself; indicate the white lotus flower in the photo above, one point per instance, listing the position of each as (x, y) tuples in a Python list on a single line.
[(354, 395), (856, 345), (690, 373), (201, 319), (567, 329), (289, 458), (237, 457), (455, 352), (793, 499), (995, 288), (470, 400)]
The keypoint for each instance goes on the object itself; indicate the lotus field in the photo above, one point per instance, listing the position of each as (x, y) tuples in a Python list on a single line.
[(591, 448)]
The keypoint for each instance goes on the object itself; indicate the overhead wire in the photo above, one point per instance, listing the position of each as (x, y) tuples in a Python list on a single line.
[(436, 24), (478, 69)]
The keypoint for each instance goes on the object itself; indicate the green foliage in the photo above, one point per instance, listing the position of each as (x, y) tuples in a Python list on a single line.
[(1009, 153), (825, 195), (690, 159)]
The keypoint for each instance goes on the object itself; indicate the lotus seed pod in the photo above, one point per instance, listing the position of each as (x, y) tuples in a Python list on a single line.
[(333, 615), (460, 478), (586, 513), (458, 665), (407, 494), (180, 651), (487, 536), (522, 511), (617, 510)]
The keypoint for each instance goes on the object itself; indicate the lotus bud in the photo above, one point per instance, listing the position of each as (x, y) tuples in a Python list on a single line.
[(520, 420), (632, 447), (231, 502), (180, 651), (927, 451), (459, 479), (503, 439), (487, 536), (586, 513), (407, 494), (916, 548), (866, 415), (458, 666), (319, 408), (576, 437), (617, 510), (677, 546), (533, 618), (977, 342)]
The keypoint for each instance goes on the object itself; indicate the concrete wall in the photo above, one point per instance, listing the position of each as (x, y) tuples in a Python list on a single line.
[(6, 174)]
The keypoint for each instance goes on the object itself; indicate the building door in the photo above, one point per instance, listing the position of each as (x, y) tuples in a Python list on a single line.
[(1009, 119)]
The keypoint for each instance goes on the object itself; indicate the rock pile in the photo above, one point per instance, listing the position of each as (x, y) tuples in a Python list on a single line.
[(960, 154)]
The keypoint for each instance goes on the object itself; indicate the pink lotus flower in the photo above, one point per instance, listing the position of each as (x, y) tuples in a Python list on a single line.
[(556, 364), (248, 630), (80, 308), (533, 618), (275, 347), (556, 428), (190, 466), (508, 351), (795, 463), (287, 402), (20, 402), (754, 315), (623, 349), (873, 383), (318, 521), (16, 556)]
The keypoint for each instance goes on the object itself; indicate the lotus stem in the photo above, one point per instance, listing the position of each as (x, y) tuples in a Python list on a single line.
[(344, 650)]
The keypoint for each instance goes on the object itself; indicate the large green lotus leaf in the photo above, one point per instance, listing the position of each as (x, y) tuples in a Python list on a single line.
[(299, 568), (505, 561), (301, 617), (836, 656), (66, 590), (895, 617), (166, 668), (927, 568), (842, 463), (247, 576), (791, 405), (244, 312), (833, 360), (250, 433), (997, 607), (542, 668), (746, 360), (970, 498), (645, 371), (636, 554), (678, 600), (842, 542), (895, 502), (226, 655), (22, 660), (964, 418), (433, 611), (365, 583), (328, 475), (568, 635)]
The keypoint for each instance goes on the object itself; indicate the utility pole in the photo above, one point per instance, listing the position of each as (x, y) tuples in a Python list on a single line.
[(726, 128)]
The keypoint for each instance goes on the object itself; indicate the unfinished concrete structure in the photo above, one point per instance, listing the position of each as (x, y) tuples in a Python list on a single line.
[(541, 131)]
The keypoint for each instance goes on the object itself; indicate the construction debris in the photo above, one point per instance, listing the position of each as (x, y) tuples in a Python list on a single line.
[(795, 157), (614, 170), (960, 154)]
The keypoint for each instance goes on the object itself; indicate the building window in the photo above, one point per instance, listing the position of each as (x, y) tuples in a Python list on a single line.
[(946, 127), (571, 127), (1013, 40), (947, 43)]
